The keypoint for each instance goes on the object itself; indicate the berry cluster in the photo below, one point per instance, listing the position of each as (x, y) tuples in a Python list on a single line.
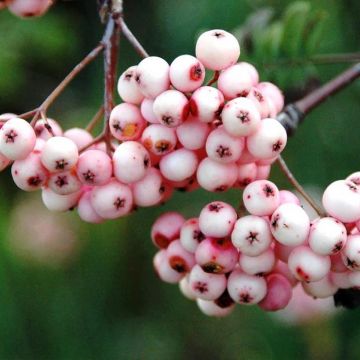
[(221, 259), (171, 132), (27, 8)]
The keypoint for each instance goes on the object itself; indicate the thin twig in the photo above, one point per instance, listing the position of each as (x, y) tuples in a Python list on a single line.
[(93, 122), (214, 79), (131, 37), (95, 141), (285, 169), (28, 114)]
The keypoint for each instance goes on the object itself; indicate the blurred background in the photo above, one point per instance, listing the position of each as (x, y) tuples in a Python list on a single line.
[(70, 290)]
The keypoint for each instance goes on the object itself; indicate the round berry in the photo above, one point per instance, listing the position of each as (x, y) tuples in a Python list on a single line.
[(128, 88)]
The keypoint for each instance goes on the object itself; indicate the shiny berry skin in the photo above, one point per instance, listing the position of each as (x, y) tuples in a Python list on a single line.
[(351, 252), (128, 88), (64, 183), (56, 202), (163, 269), (29, 8), (179, 259), (192, 133), (258, 265), (191, 235), (211, 308), (159, 139), (86, 211)]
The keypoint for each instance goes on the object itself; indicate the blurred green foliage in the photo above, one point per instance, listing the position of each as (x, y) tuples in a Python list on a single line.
[(106, 302)]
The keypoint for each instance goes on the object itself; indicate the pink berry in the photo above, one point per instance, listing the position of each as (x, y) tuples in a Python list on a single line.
[(283, 252), (215, 176), (273, 92), (256, 96), (235, 81), (217, 49), (59, 154), (279, 293), (217, 219), (240, 117), (246, 289), (94, 167), (263, 172), (290, 225), (112, 200), (246, 174), (128, 88), (4, 162), (206, 286), (64, 183), (179, 165), (283, 269), (321, 289), (166, 229), (86, 211), (222, 147), (261, 198), (191, 235), (258, 265), (341, 200), (185, 288), (130, 160), (217, 256), (288, 197), (126, 122), (187, 73), (152, 75), (17, 139), (192, 133), (351, 252), (327, 236), (29, 8), (179, 259), (42, 131), (268, 141), (251, 235), (171, 108), (337, 263), (163, 269), (211, 308), (206, 103), (56, 202), (305, 265), (29, 174), (354, 177), (159, 139), (341, 280), (147, 111), (79, 136)]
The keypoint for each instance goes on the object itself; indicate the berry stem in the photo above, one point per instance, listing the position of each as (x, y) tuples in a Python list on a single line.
[(93, 122), (214, 79), (285, 169)]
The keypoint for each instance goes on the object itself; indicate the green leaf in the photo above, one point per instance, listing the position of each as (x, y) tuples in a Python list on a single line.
[(314, 32)]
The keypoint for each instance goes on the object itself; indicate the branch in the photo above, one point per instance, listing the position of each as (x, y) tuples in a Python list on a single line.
[(214, 79), (284, 168), (293, 114), (93, 122)]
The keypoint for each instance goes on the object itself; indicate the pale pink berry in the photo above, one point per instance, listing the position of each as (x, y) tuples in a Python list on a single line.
[(185, 288), (246, 174), (354, 177), (251, 69), (341, 280), (152, 75), (179, 259), (17, 139), (258, 265), (163, 269), (94, 167), (59, 153), (128, 88), (240, 117), (179, 165), (42, 129), (215, 176), (341, 200), (263, 172), (290, 225), (235, 81), (251, 235), (261, 198), (327, 236), (216, 256), (354, 279), (147, 111), (321, 289), (29, 8), (305, 265), (159, 139), (206, 103), (6, 117), (4, 162), (187, 73), (149, 191), (246, 289), (171, 108), (126, 122), (351, 252), (192, 133), (86, 210), (217, 219), (112, 200), (282, 252), (337, 263), (279, 293), (211, 308), (222, 147), (206, 286), (64, 183), (246, 157), (166, 229), (79, 136), (217, 49), (288, 197), (283, 269), (268, 141), (272, 92), (130, 160), (56, 202), (191, 235), (29, 174), (259, 100)]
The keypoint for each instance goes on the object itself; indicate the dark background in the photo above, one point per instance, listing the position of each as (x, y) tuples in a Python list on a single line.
[(70, 290)]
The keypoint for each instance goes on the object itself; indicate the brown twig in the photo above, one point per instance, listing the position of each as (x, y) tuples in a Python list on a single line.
[(214, 79), (285, 169), (93, 122)]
